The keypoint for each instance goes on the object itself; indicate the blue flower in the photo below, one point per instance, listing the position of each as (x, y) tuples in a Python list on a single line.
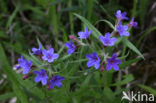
[(94, 60), (26, 65), (49, 55), (122, 29), (85, 34), (41, 76), (56, 80), (107, 40), (133, 23), (71, 47), (113, 63), (37, 51), (121, 16)]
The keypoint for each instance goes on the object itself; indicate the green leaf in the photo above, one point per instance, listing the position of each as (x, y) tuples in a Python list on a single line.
[(31, 87), (123, 57), (61, 49), (86, 81), (107, 77), (148, 89), (118, 41), (34, 59), (7, 96), (34, 9), (143, 6), (109, 94), (77, 61), (128, 63), (132, 47), (11, 18), (12, 77), (109, 23), (39, 43), (95, 32), (3, 35), (128, 78)]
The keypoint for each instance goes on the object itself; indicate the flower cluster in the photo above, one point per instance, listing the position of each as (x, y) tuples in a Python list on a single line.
[(108, 39), (46, 77), (41, 75)]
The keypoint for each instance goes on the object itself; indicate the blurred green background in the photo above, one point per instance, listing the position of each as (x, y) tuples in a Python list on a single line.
[(24, 22)]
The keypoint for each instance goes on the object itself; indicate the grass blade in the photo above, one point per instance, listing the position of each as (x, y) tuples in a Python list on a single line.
[(6, 96), (149, 89), (132, 47), (12, 77)]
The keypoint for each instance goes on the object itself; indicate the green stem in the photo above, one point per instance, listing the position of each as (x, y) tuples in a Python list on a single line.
[(90, 9), (54, 22), (71, 17)]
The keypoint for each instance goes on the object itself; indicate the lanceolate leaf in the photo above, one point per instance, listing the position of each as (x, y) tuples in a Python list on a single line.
[(109, 23), (6, 96), (128, 63), (128, 78), (11, 76), (132, 47), (149, 89)]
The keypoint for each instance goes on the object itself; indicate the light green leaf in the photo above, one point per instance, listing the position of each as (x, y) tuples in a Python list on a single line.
[(12, 77), (11, 18), (128, 63), (149, 89), (128, 78), (7, 96), (132, 47), (109, 23), (109, 94)]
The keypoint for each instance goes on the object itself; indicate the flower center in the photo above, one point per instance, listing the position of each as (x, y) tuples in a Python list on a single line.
[(29, 65), (95, 58), (107, 42), (43, 74), (55, 79), (112, 61), (120, 30), (49, 56)]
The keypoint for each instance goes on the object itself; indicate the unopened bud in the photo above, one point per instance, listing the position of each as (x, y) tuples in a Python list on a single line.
[(102, 69), (72, 37), (48, 47), (48, 87), (27, 75)]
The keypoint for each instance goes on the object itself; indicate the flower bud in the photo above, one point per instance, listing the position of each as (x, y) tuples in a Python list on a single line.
[(27, 75), (102, 69)]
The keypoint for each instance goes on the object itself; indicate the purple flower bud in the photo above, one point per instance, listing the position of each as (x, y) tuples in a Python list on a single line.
[(27, 75), (48, 47), (37, 51), (133, 23), (72, 37)]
